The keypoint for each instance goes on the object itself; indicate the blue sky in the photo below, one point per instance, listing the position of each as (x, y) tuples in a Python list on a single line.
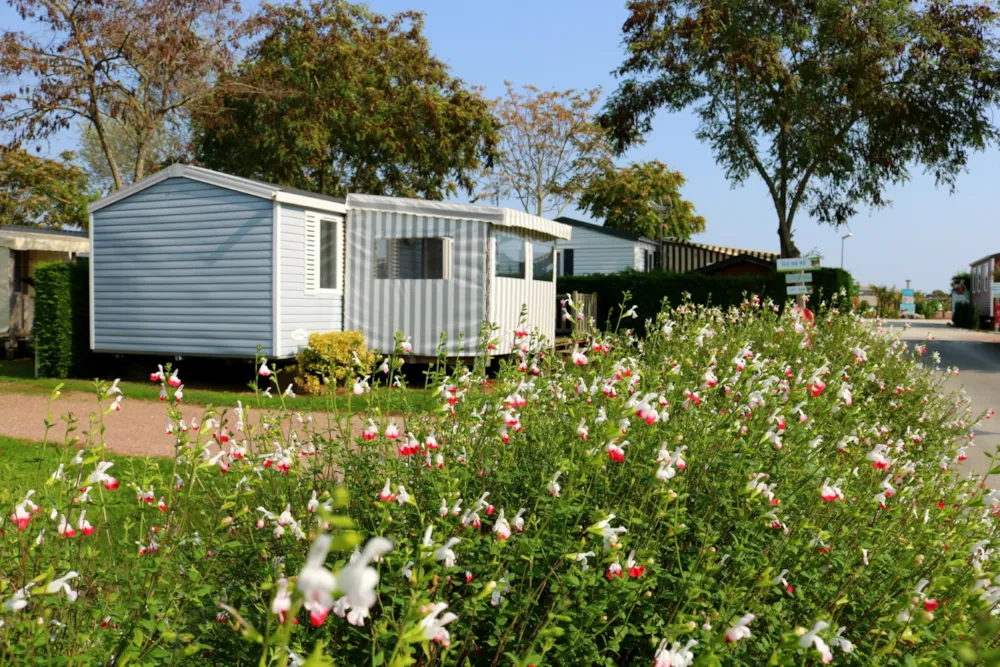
[(926, 235)]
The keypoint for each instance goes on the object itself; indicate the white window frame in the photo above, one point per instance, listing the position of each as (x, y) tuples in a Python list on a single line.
[(312, 254)]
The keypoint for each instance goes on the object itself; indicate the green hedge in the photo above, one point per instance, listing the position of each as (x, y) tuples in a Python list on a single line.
[(62, 319), (649, 289), (965, 315)]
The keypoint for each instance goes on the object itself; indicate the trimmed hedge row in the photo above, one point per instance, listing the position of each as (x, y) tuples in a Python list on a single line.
[(650, 289), (62, 319), (965, 315)]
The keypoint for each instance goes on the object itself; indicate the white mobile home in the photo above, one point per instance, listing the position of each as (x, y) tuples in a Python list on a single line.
[(195, 262), (597, 249)]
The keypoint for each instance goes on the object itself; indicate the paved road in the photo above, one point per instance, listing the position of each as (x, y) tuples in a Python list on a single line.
[(977, 355)]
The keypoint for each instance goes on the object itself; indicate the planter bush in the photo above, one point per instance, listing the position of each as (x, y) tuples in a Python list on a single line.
[(649, 290), (329, 359), (739, 487)]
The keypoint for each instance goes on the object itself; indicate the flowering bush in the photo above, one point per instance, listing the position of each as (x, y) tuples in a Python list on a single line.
[(327, 361), (738, 487)]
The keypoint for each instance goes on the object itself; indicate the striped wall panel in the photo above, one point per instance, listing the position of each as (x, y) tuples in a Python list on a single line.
[(422, 309)]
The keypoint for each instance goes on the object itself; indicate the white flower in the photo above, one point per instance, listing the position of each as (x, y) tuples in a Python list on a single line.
[(445, 553), (357, 581), (812, 637), (433, 627), (62, 584)]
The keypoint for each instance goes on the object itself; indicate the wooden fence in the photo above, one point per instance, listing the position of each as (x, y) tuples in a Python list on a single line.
[(584, 311)]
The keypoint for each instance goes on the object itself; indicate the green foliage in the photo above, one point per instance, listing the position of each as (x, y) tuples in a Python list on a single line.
[(751, 478), (53, 320), (328, 360), (962, 278), (62, 318), (965, 315), (333, 98), (649, 290), (828, 103), (39, 192), (928, 308), (622, 197)]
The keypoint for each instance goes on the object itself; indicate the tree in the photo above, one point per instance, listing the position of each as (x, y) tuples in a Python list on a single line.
[(333, 98), (623, 198), (141, 63), (40, 192), (550, 147), (166, 146), (827, 102)]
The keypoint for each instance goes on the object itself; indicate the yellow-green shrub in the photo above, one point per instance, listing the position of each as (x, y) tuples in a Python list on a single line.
[(328, 359)]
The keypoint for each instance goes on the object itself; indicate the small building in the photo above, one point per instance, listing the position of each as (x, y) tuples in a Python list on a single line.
[(22, 249), (739, 265), (194, 262), (597, 249), (683, 256), (985, 279)]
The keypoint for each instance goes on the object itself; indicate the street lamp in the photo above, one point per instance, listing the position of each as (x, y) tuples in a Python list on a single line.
[(843, 239), (663, 209)]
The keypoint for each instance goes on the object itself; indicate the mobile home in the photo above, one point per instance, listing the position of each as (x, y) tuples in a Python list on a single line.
[(194, 262), (985, 278)]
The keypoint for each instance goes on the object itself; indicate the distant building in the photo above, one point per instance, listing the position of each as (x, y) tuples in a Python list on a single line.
[(866, 294), (986, 286), (597, 249), (22, 249)]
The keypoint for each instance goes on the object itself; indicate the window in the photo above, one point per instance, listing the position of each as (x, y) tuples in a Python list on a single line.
[(541, 258), (328, 255), (647, 260), (565, 261), (510, 255), (413, 259), (323, 253)]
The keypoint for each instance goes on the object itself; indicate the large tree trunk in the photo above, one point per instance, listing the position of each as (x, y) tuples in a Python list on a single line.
[(788, 247)]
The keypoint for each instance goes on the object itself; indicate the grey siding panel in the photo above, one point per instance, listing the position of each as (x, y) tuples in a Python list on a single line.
[(184, 267), (595, 252), (421, 309), (303, 314)]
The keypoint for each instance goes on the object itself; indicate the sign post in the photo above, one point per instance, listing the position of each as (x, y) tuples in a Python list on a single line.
[(908, 305), (796, 270)]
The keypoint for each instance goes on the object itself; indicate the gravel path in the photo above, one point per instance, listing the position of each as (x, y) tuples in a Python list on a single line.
[(137, 430)]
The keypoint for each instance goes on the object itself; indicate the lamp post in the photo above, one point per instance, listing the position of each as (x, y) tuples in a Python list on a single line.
[(843, 239), (663, 209)]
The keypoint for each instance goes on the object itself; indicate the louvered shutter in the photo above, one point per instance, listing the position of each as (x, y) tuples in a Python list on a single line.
[(311, 254)]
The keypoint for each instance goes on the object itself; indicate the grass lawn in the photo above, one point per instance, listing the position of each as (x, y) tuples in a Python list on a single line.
[(27, 465), (18, 377)]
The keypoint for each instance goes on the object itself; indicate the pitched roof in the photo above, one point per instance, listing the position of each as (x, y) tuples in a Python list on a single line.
[(279, 193), (736, 259), (724, 250), (601, 229)]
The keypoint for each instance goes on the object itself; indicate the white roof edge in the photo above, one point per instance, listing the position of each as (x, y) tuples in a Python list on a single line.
[(21, 240), (496, 215), (304, 201), (221, 180), (424, 207)]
